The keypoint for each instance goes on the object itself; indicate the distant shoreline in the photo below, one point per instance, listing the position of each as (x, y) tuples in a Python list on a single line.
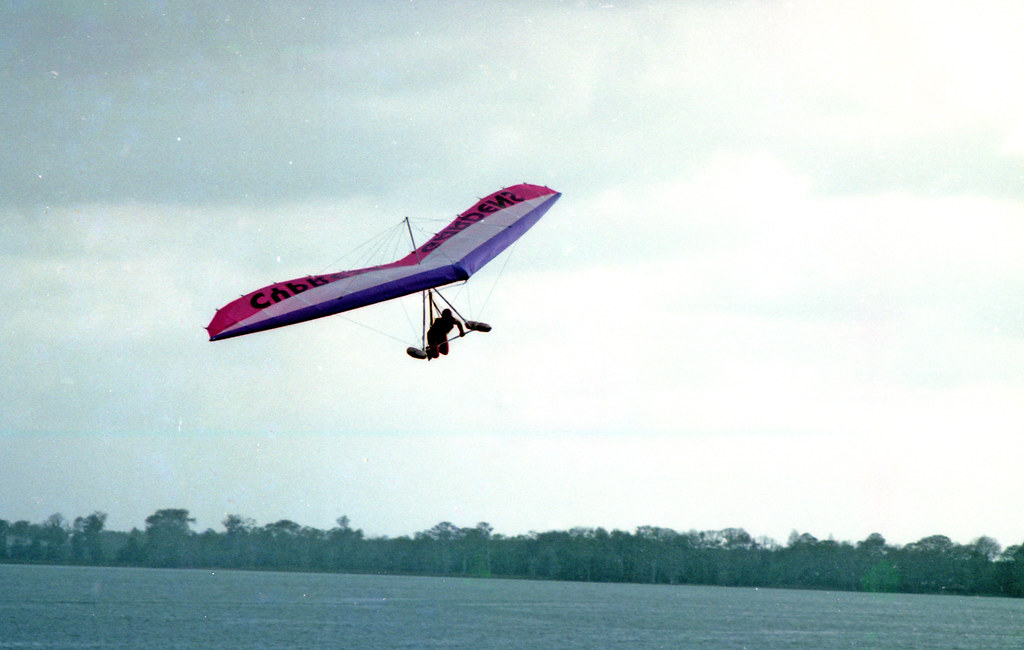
[(649, 555)]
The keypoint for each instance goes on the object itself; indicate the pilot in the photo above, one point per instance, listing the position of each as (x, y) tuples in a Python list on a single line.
[(437, 335)]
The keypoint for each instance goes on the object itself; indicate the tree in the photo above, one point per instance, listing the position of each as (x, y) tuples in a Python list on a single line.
[(238, 542), (986, 547), (78, 539), (55, 535), (1010, 571), (933, 564), (92, 528), (801, 540), (737, 538), (802, 562), (85, 538), (345, 545), (133, 552), (238, 525), (881, 577), (872, 546), (650, 545), (167, 536), (444, 537), (476, 551), (651, 554), (981, 553), (22, 541)]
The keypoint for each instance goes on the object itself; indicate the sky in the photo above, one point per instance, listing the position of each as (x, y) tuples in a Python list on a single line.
[(782, 289)]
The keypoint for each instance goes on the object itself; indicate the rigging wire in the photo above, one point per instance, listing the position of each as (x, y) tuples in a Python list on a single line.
[(373, 329), (382, 248), (390, 245), (504, 265), (371, 250)]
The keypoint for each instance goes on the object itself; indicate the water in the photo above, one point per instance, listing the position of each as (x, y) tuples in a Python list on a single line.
[(80, 607)]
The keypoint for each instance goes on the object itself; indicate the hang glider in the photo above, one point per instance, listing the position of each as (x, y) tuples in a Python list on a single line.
[(460, 249)]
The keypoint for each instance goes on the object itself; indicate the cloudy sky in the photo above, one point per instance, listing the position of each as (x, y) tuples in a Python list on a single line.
[(782, 290)]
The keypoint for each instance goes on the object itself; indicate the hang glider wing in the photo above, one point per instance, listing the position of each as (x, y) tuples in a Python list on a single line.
[(474, 238)]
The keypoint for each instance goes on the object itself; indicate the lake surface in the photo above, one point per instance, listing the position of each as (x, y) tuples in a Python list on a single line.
[(86, 607)]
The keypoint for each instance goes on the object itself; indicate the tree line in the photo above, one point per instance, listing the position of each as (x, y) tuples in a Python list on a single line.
[(728, 557)]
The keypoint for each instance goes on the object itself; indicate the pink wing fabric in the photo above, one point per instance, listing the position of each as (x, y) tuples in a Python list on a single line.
[(474, 238)]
